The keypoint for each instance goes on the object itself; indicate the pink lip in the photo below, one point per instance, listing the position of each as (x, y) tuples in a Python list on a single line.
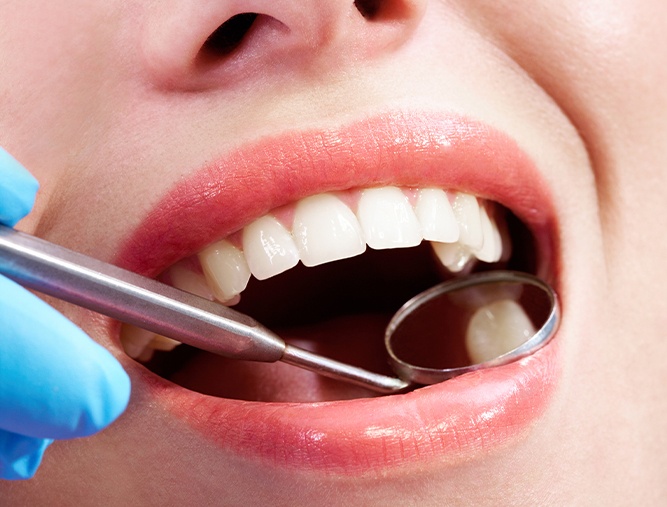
[(456, 418)]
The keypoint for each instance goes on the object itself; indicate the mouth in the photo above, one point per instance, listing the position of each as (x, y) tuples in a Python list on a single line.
[(326, 273), (322, 238)]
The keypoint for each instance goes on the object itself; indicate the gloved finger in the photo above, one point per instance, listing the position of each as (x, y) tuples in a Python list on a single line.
[(17, 190), (19, 455), (55, 382)]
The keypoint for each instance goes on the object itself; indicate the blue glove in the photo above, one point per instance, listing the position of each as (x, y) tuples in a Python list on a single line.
[(55, 382)]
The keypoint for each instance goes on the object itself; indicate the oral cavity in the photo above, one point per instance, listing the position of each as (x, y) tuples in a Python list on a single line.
[(324, 228)]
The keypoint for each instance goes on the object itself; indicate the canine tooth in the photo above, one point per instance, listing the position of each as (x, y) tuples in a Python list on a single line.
[(135, 340), (387, 219), (225, 269), (325, 230), (268, 248), (466, 211), (492, 248), (497, 328), (190, 281), (452, 255), (436, 216)]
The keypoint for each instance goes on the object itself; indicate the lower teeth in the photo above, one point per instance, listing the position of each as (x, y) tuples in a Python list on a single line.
[(497, 328)]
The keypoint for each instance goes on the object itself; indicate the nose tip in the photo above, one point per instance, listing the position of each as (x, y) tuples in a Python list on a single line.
[(212, 43)]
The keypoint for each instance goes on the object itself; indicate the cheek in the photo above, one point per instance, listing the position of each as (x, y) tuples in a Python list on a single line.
[(55, 63)]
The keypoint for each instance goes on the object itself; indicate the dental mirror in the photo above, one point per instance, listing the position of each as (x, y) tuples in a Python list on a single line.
[(470, 323)]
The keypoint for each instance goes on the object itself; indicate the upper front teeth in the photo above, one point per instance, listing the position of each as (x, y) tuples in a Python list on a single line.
[(324, 228), (388, 219)]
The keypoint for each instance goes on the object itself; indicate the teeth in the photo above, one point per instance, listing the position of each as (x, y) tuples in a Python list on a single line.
[(466, 210), (497, 328), (326, 230), (225, 268), (436, 216), (269, 248), (453, 256), (135, 340), (160, 342), (185, 279), (387, 219), (492, 246), (141, 344)]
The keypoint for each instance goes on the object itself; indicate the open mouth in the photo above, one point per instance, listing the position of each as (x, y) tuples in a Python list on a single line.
[(321, 236), (327, 273)]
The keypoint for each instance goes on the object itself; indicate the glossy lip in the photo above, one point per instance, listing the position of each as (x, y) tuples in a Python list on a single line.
[(450, 420)]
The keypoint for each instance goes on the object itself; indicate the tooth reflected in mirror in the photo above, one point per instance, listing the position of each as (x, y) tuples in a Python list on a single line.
[(497, 328), (469, 321)]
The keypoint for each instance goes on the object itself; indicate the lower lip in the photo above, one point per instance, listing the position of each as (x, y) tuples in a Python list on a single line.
[(451, 421)]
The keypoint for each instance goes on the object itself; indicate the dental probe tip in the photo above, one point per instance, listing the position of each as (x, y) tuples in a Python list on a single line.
[(343, 371)]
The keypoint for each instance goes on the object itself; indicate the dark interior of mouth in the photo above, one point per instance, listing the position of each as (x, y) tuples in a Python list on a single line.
[(339, 310)]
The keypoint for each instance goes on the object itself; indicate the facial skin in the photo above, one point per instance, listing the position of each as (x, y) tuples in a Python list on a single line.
[(109, 104)]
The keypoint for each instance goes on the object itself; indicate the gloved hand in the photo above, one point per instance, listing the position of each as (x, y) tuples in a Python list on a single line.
[(55, 382)]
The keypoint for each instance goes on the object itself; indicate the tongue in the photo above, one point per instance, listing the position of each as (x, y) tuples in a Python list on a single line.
[(356, 339)]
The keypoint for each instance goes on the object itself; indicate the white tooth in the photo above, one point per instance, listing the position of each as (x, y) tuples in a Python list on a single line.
[(436, 216), (505, 241), (135, 340), (497, 328), (225, 268), (491, 250), (158, 342), (163, 343), (387, 219), (186, 279), (325, 230), (466, 211), (268, 248), (452, 255)]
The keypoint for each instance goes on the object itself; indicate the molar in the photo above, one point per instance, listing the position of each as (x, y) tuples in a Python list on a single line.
[(326, 230), (387, 219)]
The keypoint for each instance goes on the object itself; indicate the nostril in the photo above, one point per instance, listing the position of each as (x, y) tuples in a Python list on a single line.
[(369, 9), (390, 10), (228, 36)]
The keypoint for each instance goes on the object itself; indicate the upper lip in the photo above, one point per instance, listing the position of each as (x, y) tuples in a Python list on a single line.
[(403, 149), (397, 148)]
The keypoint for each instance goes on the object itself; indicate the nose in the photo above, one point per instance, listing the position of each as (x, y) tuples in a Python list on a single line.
[(207, 43)]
